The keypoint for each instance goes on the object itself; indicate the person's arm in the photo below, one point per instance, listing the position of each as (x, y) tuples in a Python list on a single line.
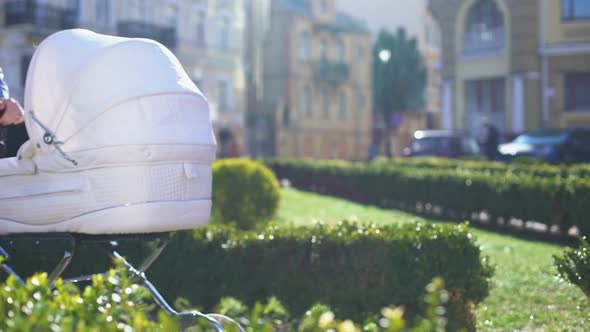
[(11, 113)]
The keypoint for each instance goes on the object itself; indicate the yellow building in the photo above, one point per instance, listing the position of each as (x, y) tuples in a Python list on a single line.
[(522, 64), (206, 36), (318, 64)]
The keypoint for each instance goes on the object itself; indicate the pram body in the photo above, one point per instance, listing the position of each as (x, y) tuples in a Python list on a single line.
[(120, 141), (121, 145)]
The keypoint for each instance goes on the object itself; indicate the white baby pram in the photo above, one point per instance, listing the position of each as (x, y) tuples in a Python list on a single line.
[(121, 144)]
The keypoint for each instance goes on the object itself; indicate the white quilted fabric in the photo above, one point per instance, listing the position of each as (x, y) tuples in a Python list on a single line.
[(137, 128)]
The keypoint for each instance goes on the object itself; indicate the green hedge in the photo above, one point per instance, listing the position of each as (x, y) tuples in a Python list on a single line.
[(114, 303), (553, 200), (354, 269), (574, 266), (545, 170), (245, 192)]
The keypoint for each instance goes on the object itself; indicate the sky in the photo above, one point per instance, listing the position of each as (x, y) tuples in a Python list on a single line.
[(389, 14)]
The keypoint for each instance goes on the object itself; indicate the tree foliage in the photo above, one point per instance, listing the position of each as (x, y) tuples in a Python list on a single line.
[(398, 83)]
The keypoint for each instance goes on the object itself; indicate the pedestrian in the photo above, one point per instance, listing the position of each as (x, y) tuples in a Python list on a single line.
[(12, 130), (492, 140)]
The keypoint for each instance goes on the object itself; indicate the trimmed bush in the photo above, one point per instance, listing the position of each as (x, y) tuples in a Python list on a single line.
[(244, 191), (356, 269), (574, 266), (553, 200)]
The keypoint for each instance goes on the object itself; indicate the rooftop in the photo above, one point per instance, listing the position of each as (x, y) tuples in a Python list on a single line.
[(344, 22)]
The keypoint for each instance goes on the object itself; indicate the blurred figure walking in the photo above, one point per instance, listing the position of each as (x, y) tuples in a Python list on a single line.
[(492, 140)]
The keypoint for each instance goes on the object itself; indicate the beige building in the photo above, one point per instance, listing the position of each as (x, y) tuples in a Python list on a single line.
[(318, 64), (523, 64), (206, 36)]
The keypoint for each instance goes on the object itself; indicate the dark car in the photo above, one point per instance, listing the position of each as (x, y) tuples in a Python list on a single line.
[(441, 143), (568, 145)]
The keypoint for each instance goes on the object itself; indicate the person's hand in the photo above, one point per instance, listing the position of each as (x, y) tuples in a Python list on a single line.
[(13, 114)]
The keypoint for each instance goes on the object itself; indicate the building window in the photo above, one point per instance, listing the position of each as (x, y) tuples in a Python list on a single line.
[(171, 15), (342, 105), (200, 27), (305, 45), (577, 92), (286, 117), (361, 53), (225, 33), (25, 61), (323, 50), (325, 105), (103, 12), (223, 96), (341, 52), (485, 28), (324, 6), (576, 10), (486, 96), (361, 103), (306, 102)]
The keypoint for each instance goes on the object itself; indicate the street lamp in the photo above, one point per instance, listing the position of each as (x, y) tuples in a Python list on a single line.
[(385, 55)]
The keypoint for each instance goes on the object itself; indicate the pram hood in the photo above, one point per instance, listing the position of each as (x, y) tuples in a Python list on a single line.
[(102, 97)]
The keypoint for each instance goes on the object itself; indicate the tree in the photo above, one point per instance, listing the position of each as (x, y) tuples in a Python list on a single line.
[(399, 74), (399, 77)]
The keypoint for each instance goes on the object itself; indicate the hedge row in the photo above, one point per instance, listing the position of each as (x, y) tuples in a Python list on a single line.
[(460, 193), (114, 303), (353, 268), (545, 170)]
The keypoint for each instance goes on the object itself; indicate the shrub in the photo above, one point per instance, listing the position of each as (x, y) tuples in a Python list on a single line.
[(356, 269), (244, 191), (455, 187), (574, 266), (113, 303)]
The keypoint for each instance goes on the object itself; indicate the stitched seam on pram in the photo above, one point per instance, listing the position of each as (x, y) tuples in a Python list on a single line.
[(109, 208), (109, 108), (136, 164), (212, 146)]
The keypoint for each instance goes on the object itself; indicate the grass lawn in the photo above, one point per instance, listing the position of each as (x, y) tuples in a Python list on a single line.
[(526, 296)]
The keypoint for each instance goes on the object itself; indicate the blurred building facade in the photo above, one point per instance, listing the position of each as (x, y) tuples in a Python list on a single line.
[(318, 77), (206, 35), (417, 20), (522, 64)]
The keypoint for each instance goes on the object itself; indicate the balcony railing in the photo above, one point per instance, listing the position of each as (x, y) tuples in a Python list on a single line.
[(136, 29), (40, 15), (331, 72)]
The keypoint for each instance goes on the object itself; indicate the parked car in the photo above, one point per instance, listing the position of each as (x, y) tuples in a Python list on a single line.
[(441, 143), (568, 145)]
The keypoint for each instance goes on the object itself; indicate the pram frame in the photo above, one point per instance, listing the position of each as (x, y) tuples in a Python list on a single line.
[(110, 244)]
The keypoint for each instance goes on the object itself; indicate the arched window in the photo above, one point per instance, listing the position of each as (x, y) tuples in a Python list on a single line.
[(485, 28)]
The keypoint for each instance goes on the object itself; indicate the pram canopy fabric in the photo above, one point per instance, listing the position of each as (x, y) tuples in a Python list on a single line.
[(95, 92)]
